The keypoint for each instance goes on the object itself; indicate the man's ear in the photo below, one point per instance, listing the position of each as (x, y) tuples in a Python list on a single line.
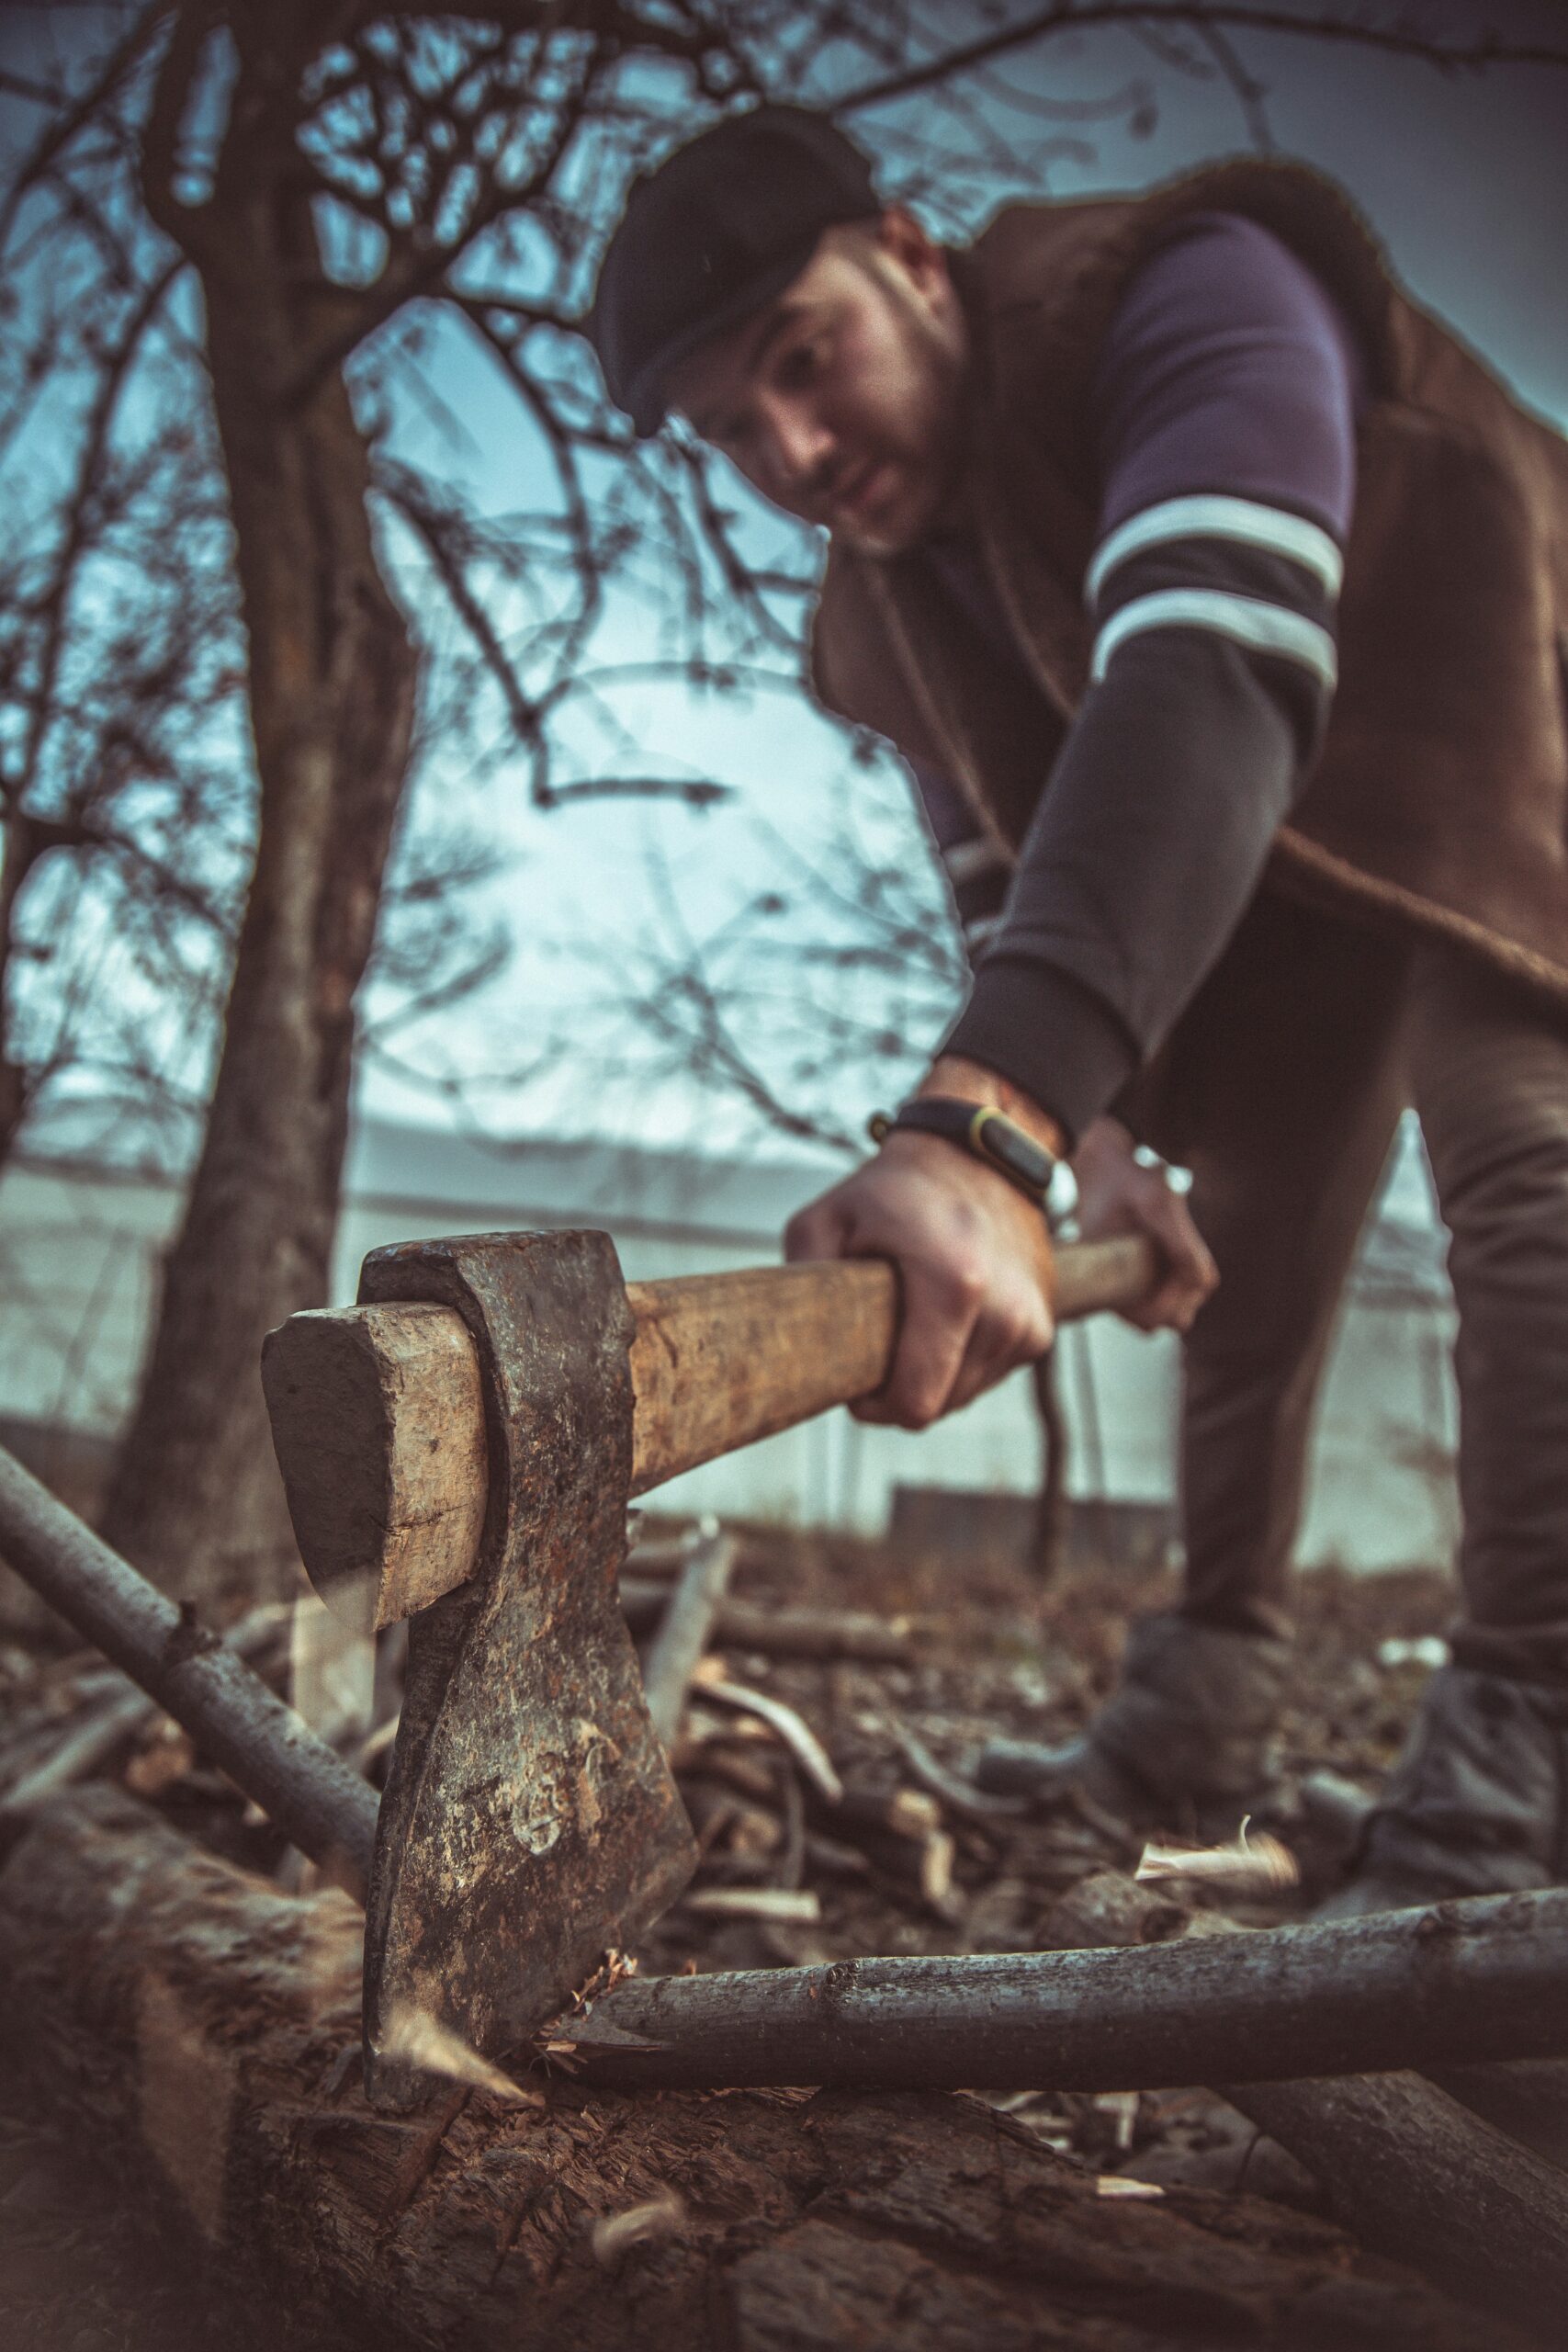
[(904, 240)]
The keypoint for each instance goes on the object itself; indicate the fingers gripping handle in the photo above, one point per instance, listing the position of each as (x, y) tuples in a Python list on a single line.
[(378, 1422)]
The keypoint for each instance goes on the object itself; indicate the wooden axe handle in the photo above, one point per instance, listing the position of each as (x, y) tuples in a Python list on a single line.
[(722, 1360), (378, 1415)]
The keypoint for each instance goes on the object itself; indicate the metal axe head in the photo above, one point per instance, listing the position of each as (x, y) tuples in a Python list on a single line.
[(530, 1820)]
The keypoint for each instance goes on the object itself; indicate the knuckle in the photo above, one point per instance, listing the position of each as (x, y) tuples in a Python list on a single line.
[(965, 1278), (919, 1410)]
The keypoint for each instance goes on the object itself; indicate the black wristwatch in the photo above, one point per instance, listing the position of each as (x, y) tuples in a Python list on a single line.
[(990, 1135)]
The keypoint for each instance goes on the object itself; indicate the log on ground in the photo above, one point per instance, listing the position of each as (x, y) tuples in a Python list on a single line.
[(1490, 2223), (204, 2027)]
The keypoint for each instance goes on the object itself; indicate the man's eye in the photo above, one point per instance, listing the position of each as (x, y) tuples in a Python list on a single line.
[(800, 364)]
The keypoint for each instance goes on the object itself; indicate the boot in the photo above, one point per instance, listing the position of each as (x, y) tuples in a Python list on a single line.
[(1185, 1738), (1474, 1804)]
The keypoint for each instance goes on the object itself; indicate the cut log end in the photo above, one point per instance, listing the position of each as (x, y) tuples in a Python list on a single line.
[(378, 1421)]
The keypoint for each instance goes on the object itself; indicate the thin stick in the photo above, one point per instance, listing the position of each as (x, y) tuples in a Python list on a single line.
[(780, 1633), (961, 1797), (82, 1749), (1480, 1979), (684, 1636), (319, 1802), (792, 1728)]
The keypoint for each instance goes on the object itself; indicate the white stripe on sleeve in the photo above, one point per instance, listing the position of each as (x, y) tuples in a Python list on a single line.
[(966, 859), (1204, 516), (1267, 628)]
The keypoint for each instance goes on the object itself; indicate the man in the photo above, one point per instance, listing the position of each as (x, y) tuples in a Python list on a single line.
[(1216, 596)]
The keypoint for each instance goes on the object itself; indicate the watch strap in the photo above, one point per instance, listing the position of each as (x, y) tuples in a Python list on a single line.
[(980, 1129)]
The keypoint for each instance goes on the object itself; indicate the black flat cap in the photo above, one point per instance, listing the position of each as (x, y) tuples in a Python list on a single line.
[(711, 235)]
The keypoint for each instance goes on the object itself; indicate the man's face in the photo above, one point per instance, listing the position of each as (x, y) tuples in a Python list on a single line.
[(842, 402)]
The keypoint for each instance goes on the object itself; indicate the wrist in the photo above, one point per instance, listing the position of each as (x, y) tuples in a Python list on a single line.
[(965, 1082), (981, 1131), (1105, 1142)]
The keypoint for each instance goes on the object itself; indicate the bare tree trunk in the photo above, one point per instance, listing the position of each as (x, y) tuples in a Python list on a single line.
[(196, 1499), (16, 856)]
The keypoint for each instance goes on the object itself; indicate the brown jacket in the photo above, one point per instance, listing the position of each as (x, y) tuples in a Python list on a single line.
[(1439, 801)]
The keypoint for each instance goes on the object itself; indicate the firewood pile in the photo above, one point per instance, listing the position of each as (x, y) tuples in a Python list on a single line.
[(823, 1703)]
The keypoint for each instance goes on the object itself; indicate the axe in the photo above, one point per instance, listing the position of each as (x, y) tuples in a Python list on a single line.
[(459, 1449)]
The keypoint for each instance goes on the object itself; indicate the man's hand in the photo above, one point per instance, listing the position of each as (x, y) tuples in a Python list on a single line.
[(972, 1253), (1117, 1195)]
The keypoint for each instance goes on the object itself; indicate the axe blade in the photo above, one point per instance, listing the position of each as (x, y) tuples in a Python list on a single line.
[(530, 1820)]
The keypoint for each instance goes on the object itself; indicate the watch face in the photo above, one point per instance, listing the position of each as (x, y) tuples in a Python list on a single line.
[(997, 1139)]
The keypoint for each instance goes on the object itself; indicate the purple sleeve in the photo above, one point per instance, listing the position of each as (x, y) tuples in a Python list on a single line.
[(1229, 369)]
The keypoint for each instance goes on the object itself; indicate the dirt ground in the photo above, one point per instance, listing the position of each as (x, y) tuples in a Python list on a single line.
[(86, 2269)]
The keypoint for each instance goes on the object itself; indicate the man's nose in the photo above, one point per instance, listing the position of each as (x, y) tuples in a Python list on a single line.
[(800, 445)]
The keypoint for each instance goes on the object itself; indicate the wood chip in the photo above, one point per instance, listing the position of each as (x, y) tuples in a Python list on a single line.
[(1260, 1865), (936, 1874), (166, 1760), (752, 1832), (1123, 2109), (1118, 2185), (424, 2041), (376, 1744), (913, 1813), (777, 1903), (657, 2217)]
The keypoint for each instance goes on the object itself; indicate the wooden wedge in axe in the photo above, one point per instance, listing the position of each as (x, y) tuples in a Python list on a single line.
[(460, 1449)]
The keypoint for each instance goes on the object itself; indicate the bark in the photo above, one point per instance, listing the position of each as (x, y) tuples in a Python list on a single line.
[(1489, 2222), (316, 1799), (1527, 2098), (196, 1499), (203, 2027), (1458, 1984)]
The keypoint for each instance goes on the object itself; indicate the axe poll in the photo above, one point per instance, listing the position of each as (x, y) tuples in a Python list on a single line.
[(460, 1449)]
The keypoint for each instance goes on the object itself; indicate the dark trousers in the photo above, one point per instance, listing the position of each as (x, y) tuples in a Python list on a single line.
[(1297, 1107)]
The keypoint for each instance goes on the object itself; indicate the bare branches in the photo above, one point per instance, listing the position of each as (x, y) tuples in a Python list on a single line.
[(1399, 38), (172, 93), (87, 109), (51, 601)]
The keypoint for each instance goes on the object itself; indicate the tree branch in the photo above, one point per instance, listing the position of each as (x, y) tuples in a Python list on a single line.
[(1399, 40)]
